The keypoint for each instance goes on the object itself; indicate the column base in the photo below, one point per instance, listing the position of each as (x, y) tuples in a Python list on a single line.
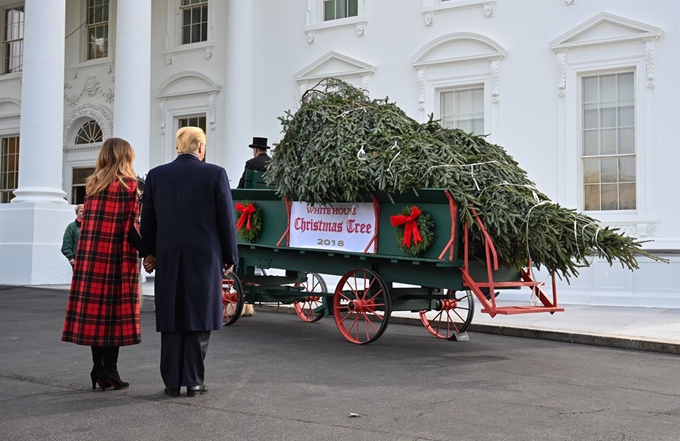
[(39, 195), (30, 243)]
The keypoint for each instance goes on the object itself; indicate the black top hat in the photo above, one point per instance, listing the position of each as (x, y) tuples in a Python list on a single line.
[(259, 143)]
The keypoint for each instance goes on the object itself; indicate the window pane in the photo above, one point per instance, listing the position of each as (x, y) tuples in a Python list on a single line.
[(591, 171), (607, 87), (329, 10), (626, 88), (477, 100), (590, 143), (608, 116), (447, 104), (626, 141), (591, 197), (590, 89), (462, 103), (478, 126), (608, 142), (609, 197), (626, 114), (590, 116), (353, 8), (627, 197), (609, 170), (627, 169)]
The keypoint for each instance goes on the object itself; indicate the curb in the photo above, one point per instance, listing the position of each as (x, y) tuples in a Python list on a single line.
[(604, 340)]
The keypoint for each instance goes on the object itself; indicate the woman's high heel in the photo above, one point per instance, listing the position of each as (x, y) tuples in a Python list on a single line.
[(110, 372), (96, 375)]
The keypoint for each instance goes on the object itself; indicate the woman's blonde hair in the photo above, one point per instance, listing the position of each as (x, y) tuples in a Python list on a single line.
[(188, 139), (114, 162)]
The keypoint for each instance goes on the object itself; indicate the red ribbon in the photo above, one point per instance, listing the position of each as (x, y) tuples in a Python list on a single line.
[(247, 212), (411, 227)]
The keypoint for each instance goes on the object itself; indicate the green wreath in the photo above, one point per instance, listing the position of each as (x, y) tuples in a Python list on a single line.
[(425, 227), (255, 231)]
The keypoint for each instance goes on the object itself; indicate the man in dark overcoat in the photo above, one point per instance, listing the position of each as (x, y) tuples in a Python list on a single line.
[(259, 162), (188, 219)]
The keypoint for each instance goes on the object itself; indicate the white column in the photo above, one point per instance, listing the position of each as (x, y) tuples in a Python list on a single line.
[(42, 103), (132, 108), (240, 85)]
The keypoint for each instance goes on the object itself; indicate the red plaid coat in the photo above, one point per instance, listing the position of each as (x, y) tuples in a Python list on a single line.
[(103, 304)]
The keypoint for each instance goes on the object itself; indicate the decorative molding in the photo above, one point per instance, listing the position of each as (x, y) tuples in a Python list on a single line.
[(100, 114), (630, 32), (638, 230), (650, 51), (485, 49), (420, 80), (91, 86), (577, 38), (212, 113), (168, 59), (333, 64), (208, 52), (302, 88), (361, 29), (163, 114), (311, 37), (431, 7), (561, 73), (569, 2), (109, 96), (495, 80), (365, 81), (172, 86)]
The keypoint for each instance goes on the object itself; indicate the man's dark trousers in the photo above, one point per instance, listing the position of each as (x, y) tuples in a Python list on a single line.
[(182, 357)]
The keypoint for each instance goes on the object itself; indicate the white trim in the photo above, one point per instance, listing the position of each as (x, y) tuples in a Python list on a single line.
[(173, 34), (432, 7), (315, 21)]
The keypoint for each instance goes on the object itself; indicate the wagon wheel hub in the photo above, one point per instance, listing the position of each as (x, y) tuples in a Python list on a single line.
[(361, 306), (448, 304)]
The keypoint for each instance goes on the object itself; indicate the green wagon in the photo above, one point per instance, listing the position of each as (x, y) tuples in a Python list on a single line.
[(441, 281)]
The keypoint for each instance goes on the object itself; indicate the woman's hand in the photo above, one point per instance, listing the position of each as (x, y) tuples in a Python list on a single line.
[(149, 263)]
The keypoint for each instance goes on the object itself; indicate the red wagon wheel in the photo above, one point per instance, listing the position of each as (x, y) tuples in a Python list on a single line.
[(454, 315), (361, 306), (312, 308), (233, 298)]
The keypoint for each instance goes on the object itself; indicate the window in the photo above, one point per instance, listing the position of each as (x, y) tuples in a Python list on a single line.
[(608, 155), (14, 40), (89, 133), (192, 121), (336, 9), (97, 29), (80, 175), (9, 167), (463, 109), (194, 21)]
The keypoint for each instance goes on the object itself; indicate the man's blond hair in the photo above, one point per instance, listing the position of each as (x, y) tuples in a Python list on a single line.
[(188, 139)]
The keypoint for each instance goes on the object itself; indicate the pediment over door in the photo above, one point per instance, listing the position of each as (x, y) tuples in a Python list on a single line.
[(186, 83), (456, 48), (335, 65), (9, 107), (604, 29)]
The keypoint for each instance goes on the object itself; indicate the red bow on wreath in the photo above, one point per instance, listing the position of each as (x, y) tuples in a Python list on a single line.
[(247, 212), (411, 227)]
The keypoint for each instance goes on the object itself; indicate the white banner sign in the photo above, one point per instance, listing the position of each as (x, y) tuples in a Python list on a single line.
[(340, 226)]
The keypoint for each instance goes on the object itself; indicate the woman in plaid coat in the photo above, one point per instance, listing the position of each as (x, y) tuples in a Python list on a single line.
[(103, 305)]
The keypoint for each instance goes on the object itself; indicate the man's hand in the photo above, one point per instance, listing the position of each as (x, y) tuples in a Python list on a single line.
[(149, 263)]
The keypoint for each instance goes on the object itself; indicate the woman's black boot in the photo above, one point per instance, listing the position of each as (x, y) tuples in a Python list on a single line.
[(111, 368), (98, 368)]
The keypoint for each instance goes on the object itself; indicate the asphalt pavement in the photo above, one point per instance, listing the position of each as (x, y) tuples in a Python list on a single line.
[(274, 377)]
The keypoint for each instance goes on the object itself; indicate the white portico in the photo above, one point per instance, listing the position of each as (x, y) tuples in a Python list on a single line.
[(31, 226)]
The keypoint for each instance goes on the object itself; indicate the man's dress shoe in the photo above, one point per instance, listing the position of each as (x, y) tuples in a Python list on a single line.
[(171, 392), (192, 391)]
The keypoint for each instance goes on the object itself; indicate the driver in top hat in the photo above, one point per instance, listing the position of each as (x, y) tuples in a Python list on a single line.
[(259, 162)]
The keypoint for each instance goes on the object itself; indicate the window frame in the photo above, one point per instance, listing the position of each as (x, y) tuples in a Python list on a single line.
[(645, 114), (82, 44), (173, 42), (86, 30), (3, 190), (4, 50), (202, 4), (315, 17), (601, 155), (460, 88)]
